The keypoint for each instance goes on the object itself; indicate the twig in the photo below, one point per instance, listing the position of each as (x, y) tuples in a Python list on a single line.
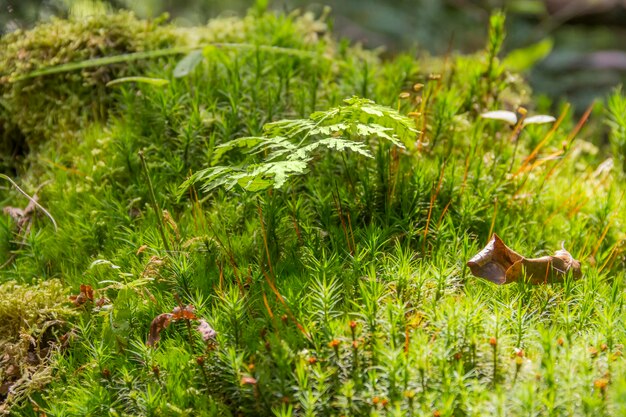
[(32, 200)]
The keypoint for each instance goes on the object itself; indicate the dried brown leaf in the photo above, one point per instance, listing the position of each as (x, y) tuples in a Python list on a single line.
[(86, 294), (159, 323), (493, 261), (186, 313), (501, 265), (22, 217), (14, 212), (102, 301), (87, 290)]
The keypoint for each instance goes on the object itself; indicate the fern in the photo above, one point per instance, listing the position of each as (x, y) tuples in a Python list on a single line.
[(289, 146)]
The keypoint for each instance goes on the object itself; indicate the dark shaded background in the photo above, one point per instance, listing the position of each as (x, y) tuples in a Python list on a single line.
[(587, 61)]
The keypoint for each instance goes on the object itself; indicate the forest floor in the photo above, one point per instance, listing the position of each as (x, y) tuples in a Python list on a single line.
[(266, 221)]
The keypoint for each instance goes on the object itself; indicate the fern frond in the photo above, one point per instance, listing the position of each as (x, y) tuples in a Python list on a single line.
[(289, 145), (210, 178), (289, 128), (363, 112), (271, 174), (252, 145), (337, 144)]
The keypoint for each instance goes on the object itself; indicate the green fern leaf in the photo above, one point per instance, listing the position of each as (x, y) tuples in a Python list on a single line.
[(252, 145), (272, 174), (337, 144), (288, 146)]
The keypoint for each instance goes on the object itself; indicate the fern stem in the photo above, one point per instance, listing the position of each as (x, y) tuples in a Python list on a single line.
[(343, 223), (264, 233)]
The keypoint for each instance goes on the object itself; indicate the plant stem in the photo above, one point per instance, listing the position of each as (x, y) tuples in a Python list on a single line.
[(155, 205)]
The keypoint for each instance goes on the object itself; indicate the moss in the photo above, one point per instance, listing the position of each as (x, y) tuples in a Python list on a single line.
[(56, 106), (32, 318)]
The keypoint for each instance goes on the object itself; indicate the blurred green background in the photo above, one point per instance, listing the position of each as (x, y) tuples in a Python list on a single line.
[(588, 57)]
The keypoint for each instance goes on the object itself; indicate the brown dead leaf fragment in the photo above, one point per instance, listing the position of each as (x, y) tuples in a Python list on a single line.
[(501, 265), (187, 313), (159, 323), (493, 261), (22, 217), (102, 301), (86, 294)]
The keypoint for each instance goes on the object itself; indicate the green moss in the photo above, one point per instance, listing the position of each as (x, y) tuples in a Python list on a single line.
[(56, 106)]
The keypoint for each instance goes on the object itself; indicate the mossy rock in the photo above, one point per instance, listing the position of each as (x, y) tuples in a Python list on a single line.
[(56, 106)]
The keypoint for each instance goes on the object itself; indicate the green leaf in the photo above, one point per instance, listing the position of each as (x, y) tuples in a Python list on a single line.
[(524, 59), (246, 142), (289, 128), (103, 61), (210, 178), (186, 65), (253, 145), (330, 129), (272, 174), (158, 82), (337, 144), (157, 53)]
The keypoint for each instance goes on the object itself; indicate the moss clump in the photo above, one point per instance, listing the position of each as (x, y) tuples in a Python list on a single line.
[(57, 105), (37, 109), (32, 317)]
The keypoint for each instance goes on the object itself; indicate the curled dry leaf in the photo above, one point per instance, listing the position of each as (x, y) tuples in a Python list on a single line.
[(207, 332), (22, 217), (159, 323), (86, 294), (501, 265), (186, 313), (102, 301)]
